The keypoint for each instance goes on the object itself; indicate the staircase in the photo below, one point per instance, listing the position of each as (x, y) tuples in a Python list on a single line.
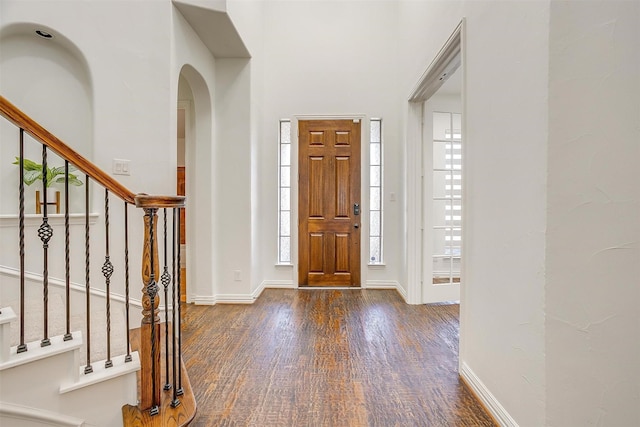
[(46, 386), (69, 355)]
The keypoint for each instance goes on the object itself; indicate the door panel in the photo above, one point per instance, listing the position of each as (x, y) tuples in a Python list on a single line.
[(343, 169), (342, 253), (329, 186), (316, 252), (317, 166)]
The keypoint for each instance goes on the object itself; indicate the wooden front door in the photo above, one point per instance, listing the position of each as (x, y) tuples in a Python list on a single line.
[(329, 203)]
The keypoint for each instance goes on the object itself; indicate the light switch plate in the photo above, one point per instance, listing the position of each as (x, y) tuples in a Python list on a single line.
[(121, 167)]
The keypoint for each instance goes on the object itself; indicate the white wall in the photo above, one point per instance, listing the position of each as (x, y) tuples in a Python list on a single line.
[(233, 161), (247, 16), (341, 61), (195, 66), (593, 237), (124, 47), (58, 92), (502, 309)]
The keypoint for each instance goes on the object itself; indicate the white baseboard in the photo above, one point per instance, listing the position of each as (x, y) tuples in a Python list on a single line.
[(488, 399), (255, 294), (223, 299), (403, 293), (17, 415), (234, 299), (381, 284), (203, 300), (278, 284)]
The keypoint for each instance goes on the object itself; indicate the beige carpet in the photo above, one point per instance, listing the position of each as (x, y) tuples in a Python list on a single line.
[(34, 325)]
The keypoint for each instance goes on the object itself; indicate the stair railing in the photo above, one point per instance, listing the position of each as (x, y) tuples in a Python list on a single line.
[(150, 330)]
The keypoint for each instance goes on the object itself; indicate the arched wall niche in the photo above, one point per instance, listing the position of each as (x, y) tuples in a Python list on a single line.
[(50, 80)]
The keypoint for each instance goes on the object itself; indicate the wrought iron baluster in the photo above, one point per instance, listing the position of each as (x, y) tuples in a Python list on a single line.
[(176, 272), (180, 391), (166, 279), (67, 259), (22, 347), (45, 232), (88, 368), (152, 291), (107, 271), (128, 357)]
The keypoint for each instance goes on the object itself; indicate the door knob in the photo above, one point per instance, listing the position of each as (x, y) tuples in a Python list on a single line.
[(356, 225)]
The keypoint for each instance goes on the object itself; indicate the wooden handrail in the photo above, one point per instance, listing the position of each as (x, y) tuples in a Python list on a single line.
[(146, 201), (20, 119)]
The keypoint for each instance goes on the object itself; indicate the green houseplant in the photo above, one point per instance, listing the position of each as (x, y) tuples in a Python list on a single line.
[(33, 173)]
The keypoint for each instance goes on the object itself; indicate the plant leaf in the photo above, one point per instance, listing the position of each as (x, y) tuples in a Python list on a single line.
[(33, 173), (28, 165), (50, 177), (73, 180), (31, 176), (57, 171)]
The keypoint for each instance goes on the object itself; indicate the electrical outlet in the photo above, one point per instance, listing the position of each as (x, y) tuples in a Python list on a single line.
[(236, 275)]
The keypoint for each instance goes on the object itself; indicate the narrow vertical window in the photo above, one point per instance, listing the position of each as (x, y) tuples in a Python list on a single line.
[(447, 197), (375, 192), (284, 188)]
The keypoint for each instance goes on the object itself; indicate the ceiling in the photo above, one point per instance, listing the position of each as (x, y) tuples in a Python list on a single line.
[(211, 22)]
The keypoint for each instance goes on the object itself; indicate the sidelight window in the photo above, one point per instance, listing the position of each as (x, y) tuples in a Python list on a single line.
[(375, 192), (284, 190)]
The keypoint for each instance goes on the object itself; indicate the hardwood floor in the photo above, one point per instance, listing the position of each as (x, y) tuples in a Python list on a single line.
[(327, 358)]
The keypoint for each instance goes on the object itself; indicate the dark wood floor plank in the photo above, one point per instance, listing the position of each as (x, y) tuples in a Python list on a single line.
[(327, 358)]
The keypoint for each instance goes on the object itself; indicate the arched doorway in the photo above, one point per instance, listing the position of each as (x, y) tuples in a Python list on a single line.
[(195, 176)]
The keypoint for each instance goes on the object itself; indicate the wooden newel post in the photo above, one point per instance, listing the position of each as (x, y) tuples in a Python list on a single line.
[(150, 338), (150, 341)]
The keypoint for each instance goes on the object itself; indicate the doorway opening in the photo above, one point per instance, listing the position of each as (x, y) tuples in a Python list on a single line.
[(181, 178), (435, 185), (442, 207), (184, 148)]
